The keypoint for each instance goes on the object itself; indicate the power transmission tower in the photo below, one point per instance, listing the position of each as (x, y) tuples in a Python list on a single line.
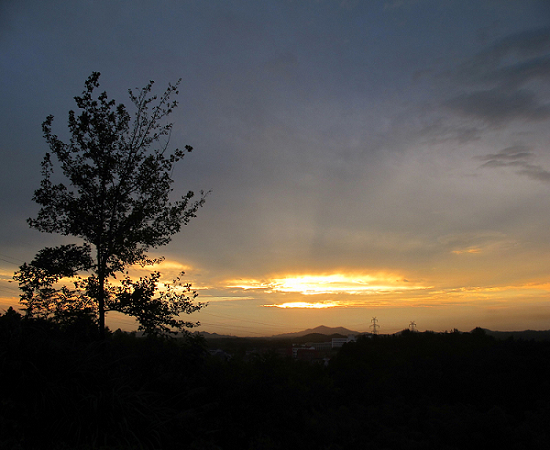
[(374, 325)]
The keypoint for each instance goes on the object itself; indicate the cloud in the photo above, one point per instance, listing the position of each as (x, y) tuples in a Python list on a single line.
[(499, 105), (517, 157), (221, 298), (306, 305), (510, 55), (475, 242), (338, 283), (510, 155), (502, 82), (535, 173), (519, 74)]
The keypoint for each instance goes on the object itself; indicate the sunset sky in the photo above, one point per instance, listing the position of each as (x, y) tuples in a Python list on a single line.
[(385, 159)]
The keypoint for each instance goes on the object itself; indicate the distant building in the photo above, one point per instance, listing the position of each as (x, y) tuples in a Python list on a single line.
[(322, 346), (338, 342)]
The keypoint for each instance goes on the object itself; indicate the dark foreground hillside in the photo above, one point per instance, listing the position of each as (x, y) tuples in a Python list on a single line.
[(61, 390)]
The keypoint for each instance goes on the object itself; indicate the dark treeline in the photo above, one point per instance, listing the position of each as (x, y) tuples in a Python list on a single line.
[(61, 389)]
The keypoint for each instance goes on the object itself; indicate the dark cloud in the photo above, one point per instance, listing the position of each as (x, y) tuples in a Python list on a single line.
[(515, 75), (510, 51), (500, 82), (510, 155), (535, 172), (467, 134), (498, 105), (517, 157)]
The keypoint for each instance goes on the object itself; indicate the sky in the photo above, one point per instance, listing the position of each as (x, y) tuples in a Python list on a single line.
[(384, 158)]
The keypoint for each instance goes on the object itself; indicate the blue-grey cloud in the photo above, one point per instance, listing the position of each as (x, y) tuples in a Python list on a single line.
[(517, 157), (499, 105), (510, 52), (516, 154), (515, 75), (501, 82)]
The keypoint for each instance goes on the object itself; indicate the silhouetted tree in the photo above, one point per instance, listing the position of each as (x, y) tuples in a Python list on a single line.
[(116, 200)]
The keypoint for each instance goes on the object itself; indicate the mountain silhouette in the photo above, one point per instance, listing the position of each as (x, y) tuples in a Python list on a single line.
[(318, 330)]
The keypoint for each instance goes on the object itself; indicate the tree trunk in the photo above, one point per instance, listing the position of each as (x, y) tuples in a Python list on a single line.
[(101, 304), (101, 292)]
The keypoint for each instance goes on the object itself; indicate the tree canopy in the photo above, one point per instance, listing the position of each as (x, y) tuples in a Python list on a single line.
[(114, 196)]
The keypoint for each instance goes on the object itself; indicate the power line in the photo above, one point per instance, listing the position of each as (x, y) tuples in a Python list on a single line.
[(9, 262), (243, 320), (10, 257)]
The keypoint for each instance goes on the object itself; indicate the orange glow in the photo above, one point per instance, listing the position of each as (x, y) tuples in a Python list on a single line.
[(165, 266), (470, 250), (306, 305), (330, 284)]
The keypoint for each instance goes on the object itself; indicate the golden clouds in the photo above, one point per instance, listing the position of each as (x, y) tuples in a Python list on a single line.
[(165, 266), (354, 290), (337, 283), (475, 243), (469, 250), (307, 305), (342, 289)]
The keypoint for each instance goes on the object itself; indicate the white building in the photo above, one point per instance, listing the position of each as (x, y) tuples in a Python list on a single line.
[(338, 342)]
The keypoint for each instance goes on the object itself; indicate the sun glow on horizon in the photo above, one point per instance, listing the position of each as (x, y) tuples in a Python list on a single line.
[(337, 283), (381, 289), (306, 305)]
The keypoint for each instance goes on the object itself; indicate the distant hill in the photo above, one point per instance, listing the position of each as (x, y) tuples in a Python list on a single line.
[(319, 334), (525, 335), (318, 330), (323, 333), (207, 335)]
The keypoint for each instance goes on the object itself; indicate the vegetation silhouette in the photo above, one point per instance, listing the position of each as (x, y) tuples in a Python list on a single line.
[(114, 199), (412, 390)]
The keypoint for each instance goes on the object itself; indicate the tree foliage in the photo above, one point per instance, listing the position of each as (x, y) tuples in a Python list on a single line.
[(156, 314), (115, 198)]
